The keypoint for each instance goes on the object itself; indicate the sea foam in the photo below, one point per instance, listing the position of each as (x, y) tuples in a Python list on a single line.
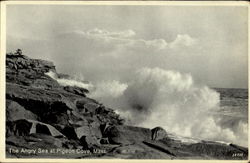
[(69, 81), (158, 97)]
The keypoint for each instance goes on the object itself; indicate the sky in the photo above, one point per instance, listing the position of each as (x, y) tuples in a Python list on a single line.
[(111, 42)]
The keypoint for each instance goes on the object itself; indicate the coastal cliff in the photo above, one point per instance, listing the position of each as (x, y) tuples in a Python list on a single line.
[(47, 120)]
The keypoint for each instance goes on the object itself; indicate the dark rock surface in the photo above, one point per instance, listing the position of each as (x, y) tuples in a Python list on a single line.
[(47, 120), (76, 90), (158, 133), (123, 134)]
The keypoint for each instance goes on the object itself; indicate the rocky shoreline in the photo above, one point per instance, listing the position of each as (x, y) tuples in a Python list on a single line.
[(47, 120)]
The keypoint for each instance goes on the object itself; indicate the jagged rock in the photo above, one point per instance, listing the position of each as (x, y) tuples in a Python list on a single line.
[(76, 90), (102, 110), (90, 133), (91, 107), (104, 141), (45, 82), (122, 134), (160, 147), (24, 127), (215, 150), (104, 115), (18, 128), (80, 103), (244, 150), (37, 140), (158, 133), (14, 111), (51, 106), (79, 123), (22, 70), (69, 132)]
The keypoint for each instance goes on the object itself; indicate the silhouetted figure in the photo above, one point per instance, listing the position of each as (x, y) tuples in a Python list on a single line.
[(18, 52)]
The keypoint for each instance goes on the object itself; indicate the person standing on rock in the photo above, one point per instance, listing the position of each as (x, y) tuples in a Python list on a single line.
[(18, 52)]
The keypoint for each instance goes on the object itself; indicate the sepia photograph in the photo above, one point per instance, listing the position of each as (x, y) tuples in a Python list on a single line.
[(125, 80)]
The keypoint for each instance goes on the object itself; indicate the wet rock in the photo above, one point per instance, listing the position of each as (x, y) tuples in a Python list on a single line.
[(76, 90), (25, 71), (90, 133), (50, 105), (37, 140), (102, 110), (215, 150), (158, 133), (132, 149), (14, 111), (45, 83), (160, 147), (91, 107), (122, 134), (104, 141), (18, 128), (69, 132), (243, 149), (26, 127)]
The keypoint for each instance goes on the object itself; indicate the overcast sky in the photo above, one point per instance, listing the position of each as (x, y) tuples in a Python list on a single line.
[(101, 42)]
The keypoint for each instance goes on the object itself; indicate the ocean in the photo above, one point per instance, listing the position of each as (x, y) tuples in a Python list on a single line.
[(231, 115), (233, 111), (233, 103)]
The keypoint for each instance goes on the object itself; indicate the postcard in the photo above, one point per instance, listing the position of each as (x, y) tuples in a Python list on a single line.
[(126, 80)]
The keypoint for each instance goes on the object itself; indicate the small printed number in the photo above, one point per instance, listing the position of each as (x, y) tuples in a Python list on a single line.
[(237, 155)]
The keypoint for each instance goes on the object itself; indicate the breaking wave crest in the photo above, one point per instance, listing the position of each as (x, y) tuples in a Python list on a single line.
[(157, 97), (69, 81)]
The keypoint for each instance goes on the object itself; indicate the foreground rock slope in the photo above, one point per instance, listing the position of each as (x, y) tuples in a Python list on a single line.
[(47, 120)]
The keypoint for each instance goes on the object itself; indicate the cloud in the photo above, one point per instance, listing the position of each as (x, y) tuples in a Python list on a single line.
[(182, 40), (115, 32), (156, 43), (125, 38), (103, 33), (103, 54)]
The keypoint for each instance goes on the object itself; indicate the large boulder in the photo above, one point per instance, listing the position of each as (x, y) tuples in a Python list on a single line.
[(158, 133), (24, 127), (122, 134), (14, 111), (104, 115), (50, 105), (91, 133)]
